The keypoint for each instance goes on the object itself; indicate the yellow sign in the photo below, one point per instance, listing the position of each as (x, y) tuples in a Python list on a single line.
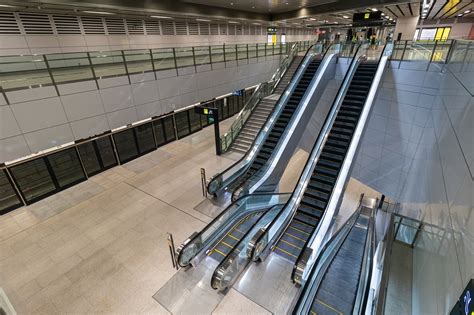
[(206, 111), (366, 16)]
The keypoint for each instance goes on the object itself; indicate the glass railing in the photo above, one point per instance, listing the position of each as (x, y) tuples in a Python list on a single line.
[(461, 63), (232, 266), (226, 220), (263, 90), (275, 229), (220, 180), (27, 71)]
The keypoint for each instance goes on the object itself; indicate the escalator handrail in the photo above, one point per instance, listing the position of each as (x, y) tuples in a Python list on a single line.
[(216, 271), (218, 217), (251, 154), (304, 300), (317, 237), (306, 174)]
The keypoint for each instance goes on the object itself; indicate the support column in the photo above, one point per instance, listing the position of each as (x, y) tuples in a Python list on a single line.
[(406, 26)]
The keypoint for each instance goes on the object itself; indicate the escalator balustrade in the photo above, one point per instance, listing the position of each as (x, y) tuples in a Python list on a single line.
[(326, 171), (279, 127)]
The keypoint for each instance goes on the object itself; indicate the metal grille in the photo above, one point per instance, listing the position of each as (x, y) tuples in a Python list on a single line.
[(167, 28), (214, 29), (252, 29), (92, 25), (231, 29), (181, 28), (203, 28), (193, 28), (66, 24), (8, 23), (36, 23), (152, 27), (135, 27), (115, 26), (238, 30), (223, 29)]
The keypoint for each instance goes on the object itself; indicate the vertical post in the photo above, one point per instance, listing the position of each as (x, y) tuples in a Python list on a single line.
[(247, 51), (217, 136), (403, 54), (203, 182), (93, 70), (210, 56), (256, 51), (81, 162), (175, 62), (50, 74), (265, 50), (223, 51), (153, 64), (126, 67), (112, 139), (194, 60), (15, 187), (172, 250), (432, 55), (236, 54), (4, 95)]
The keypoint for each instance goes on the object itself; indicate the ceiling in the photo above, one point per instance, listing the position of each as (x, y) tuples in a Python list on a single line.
[(442, 9), (262, 6)]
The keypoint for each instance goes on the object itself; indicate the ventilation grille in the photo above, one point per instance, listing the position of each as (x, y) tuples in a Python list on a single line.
[(231, 29), (239, 30), (135, 27), (115, 26), (193, 28), (8, 24), (223, 29), (214, 29), (181, 28), (152, 27), (167, 28), (66, 24), (203, 29), (93, 25), (36, 23)]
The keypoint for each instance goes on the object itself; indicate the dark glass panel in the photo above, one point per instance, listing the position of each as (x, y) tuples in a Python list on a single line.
[(126, 146), (106, 152), (195, 120), (182, 124), (89, 158), (8, 197), (168, 125), (159, 133), (219, 106), (33, 179), (146, 141), (66, 167)]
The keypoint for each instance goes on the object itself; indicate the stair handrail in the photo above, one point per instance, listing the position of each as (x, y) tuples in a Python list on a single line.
[(263, 89)]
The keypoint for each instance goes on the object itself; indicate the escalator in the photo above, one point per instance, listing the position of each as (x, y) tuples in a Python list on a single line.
[(279, 127), (340, 279), (323, 179)]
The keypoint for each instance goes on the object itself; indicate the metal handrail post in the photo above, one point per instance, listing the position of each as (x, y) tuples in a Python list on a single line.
[(175, 61), (51, 74), (432, 55), (126, 67)]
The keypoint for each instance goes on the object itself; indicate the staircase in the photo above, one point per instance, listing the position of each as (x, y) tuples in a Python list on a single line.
[(261, 112)]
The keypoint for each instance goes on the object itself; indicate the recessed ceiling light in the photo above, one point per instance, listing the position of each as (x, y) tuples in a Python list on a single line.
[(203, 20), (161, 17), (383, 14), (336, 22), (231, 3), (98, 12), (374, 9), (467, 11), (233, 22), (256, 24), (459, 15), (7, 6), (345, 16), (312, 19)]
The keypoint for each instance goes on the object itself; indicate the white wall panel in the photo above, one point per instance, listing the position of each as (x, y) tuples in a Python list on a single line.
[(13, 148), (8, 124), (39, 114), (116, 98), (42, 41), (49, 137), (82, 105), (31, 94), (122, 117), (145, 92), (149, 110), (89, 127), (76, 87)]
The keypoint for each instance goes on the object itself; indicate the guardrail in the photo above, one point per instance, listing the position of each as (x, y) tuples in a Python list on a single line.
[(28, 71)]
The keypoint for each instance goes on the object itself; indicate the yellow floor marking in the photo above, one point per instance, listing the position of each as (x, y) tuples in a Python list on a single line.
[(232, 236), (329, 306), (218, 251), (296, 237), (313, 313), (226, 244), (284, 251), (292, 227), (290, 244), (236, 229)]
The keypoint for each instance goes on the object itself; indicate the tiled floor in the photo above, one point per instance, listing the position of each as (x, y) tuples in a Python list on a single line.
[(101, 246)]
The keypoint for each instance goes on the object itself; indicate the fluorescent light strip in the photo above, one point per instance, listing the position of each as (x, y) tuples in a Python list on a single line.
[(203, 20), (160, 17), (98, 12)]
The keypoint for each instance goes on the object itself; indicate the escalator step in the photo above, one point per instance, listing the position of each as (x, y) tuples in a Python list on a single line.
[(314, 203), (309, 219), (332, 165), (334, 150), (328, 180), (341, 124), (317, 194), (331, 156), (344, 131), (310, 210), (337, 143), (338, 136), (317, 185), (326, 170)]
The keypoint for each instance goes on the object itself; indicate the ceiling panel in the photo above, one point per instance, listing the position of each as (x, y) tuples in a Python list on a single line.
[(262, 6)]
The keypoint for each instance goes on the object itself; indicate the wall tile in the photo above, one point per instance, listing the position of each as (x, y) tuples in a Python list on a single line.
[(145, 92), (8, 124), (49, 137), (31, 94), (89, 127), (122, 117), (168, 87), (13, 148), (82, 105), (76, 87), (116, 98), (39, 114), (149, 110)]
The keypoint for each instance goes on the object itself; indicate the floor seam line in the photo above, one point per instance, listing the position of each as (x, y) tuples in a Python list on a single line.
[(167, 203)]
